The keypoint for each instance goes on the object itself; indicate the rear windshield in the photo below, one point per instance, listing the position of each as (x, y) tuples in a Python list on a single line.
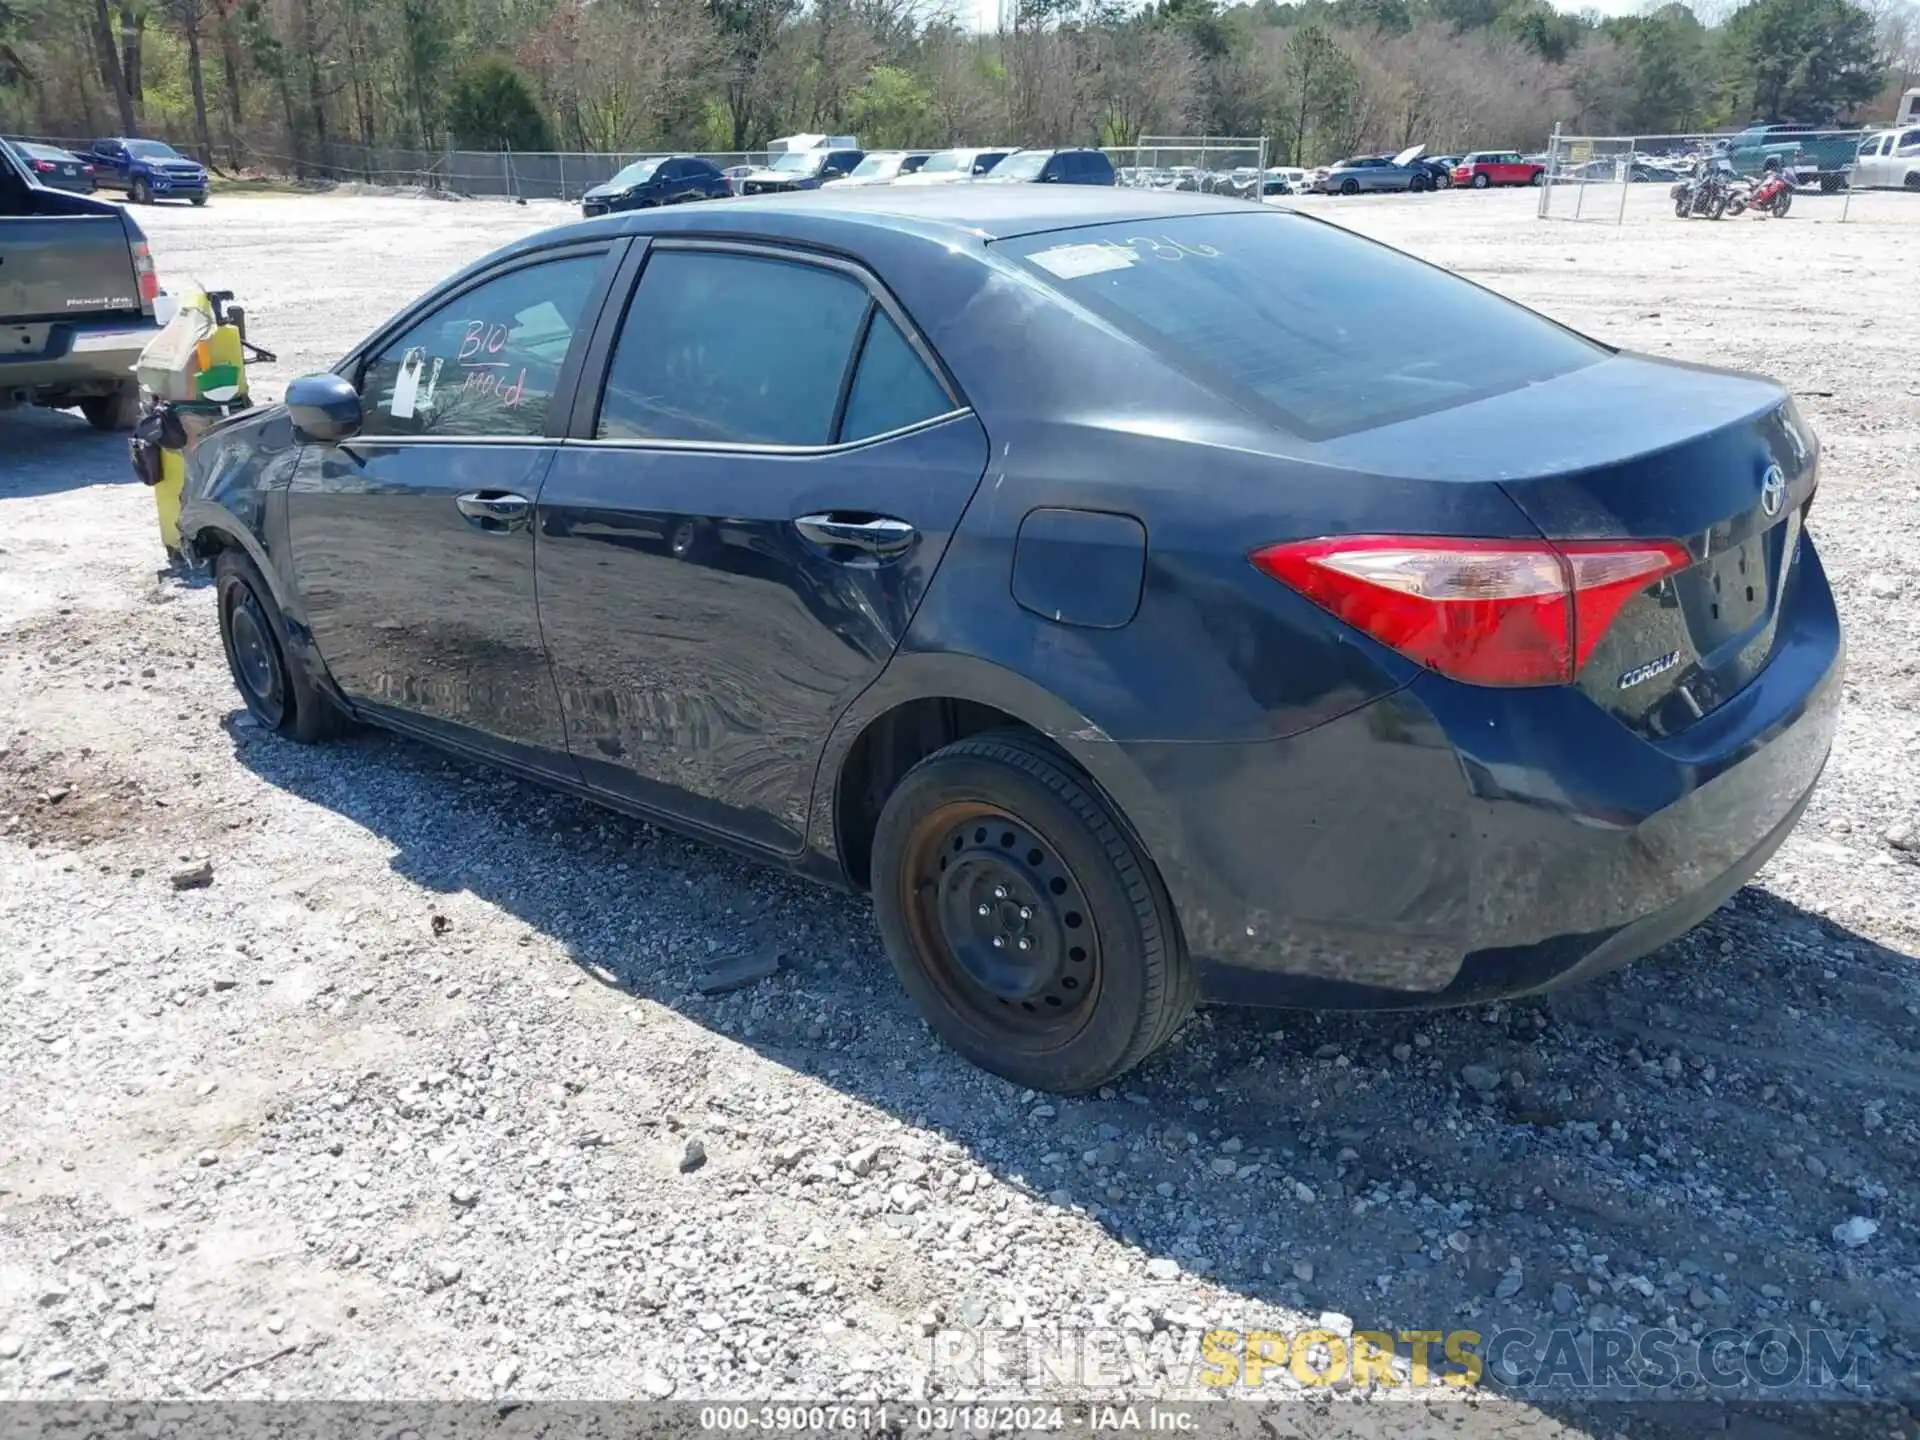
[(1326, 332)]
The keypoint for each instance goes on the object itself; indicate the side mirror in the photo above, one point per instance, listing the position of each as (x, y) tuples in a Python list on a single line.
[(324, 408)]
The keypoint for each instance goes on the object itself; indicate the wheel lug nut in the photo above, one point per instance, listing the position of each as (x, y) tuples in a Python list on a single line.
[(984, 911), (1026, 912), (999, 942), (999, 892), (1025, 944)]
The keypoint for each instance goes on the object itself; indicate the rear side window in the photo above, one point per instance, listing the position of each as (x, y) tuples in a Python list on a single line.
[(485, 363), (729, 348), (892, 388), (1321, 330)]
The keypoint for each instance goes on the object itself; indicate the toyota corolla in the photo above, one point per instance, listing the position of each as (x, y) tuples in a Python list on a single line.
[(1148, 597)]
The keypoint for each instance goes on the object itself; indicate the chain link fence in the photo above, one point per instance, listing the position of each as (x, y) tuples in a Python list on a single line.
[(519, 175), (1837, 174), (1212, 164)]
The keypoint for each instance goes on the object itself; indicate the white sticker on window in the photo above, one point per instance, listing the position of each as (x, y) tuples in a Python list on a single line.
[(1070, 262), (406, 385)]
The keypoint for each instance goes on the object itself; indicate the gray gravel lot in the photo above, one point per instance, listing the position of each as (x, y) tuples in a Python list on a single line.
[(409, 1100)]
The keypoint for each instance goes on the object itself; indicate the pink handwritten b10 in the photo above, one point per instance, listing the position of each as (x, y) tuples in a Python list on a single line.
[(481, 338)]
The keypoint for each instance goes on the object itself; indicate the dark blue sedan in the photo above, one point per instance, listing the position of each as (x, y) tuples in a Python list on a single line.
[(1148, 597), (662, 180)]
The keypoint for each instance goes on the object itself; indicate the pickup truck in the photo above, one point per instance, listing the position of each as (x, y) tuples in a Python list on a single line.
[(77, 292), (147, 170), (1813, 155)]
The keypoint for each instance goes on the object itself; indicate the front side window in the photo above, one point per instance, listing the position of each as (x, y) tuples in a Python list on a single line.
[(798, 162), (1323, 331), (1910, 142), (485, 363)]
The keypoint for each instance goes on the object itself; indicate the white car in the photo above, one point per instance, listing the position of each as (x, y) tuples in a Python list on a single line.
[(945, 167), (881, 167), (1888, 160)]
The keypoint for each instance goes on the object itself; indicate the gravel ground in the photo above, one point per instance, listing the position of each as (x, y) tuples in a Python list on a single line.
[(417, 1098)]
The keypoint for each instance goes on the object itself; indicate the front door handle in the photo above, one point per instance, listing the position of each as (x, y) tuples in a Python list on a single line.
[(495, 509), (878, 535)]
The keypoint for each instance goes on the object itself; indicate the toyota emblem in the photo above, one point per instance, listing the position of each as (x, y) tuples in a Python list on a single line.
[(1773, 491)]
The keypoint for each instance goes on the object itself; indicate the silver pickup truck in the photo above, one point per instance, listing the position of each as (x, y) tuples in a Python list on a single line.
[(77, 291)]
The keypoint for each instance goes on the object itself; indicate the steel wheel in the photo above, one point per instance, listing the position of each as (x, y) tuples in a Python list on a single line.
[(1004, 920), (251, 631), (1024, 921), (253, 657)]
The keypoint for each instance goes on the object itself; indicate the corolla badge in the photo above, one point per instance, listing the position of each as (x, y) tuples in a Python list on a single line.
[(1773, 491), (1652, 668)]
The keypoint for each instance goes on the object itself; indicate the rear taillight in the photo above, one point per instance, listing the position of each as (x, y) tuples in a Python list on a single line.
[(148, 277), (1489, 612), (45, 167), (86, 170)]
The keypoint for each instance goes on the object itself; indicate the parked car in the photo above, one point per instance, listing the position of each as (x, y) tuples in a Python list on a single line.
[(1439, 171), (53, 167), (1431, 686), (1487, 168), (147, 170), (1888, 160), (77, 289), (1291, 176), (945, 167), (1052, 167), (1816, 157), (801, 170), (882, 167), (661, 180), (1375, 173), (737, 174)]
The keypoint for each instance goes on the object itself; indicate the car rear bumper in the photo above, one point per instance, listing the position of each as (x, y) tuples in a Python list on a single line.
[(74, 359), (1448, 844)]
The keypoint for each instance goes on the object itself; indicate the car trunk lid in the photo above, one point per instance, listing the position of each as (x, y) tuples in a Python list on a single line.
[(1632, 449)]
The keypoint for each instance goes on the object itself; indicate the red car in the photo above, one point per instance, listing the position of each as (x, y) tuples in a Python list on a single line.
[(1496, 167)]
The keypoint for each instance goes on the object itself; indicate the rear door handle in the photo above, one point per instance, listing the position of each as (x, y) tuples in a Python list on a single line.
[(878, 535), (495, 509)]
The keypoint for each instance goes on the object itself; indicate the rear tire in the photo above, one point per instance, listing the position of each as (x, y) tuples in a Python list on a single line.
[(1001, 823), (1481, 181), (253, 635), (1419, 184), (1782, 203), (118, 411)]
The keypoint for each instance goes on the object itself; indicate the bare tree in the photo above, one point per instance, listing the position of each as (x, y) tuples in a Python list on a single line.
[(111, 75), (1143, 78), (188, 16)]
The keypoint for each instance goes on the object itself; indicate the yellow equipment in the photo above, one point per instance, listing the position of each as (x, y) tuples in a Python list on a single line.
[(193, 373)]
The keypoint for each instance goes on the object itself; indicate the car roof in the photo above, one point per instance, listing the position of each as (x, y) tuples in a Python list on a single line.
[(959, 212)]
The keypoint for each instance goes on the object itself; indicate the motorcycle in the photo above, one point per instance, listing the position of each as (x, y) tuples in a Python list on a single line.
[(1707, 193), (1772, 196)]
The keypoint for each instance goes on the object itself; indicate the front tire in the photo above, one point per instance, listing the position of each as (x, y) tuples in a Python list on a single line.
[(1349, 187), (253, 635), (1028, 928), (1782, 203), (138, 191), (198, 200)]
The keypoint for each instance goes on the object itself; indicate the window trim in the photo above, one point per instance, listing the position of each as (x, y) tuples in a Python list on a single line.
[(590, 391), (612, 252)]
